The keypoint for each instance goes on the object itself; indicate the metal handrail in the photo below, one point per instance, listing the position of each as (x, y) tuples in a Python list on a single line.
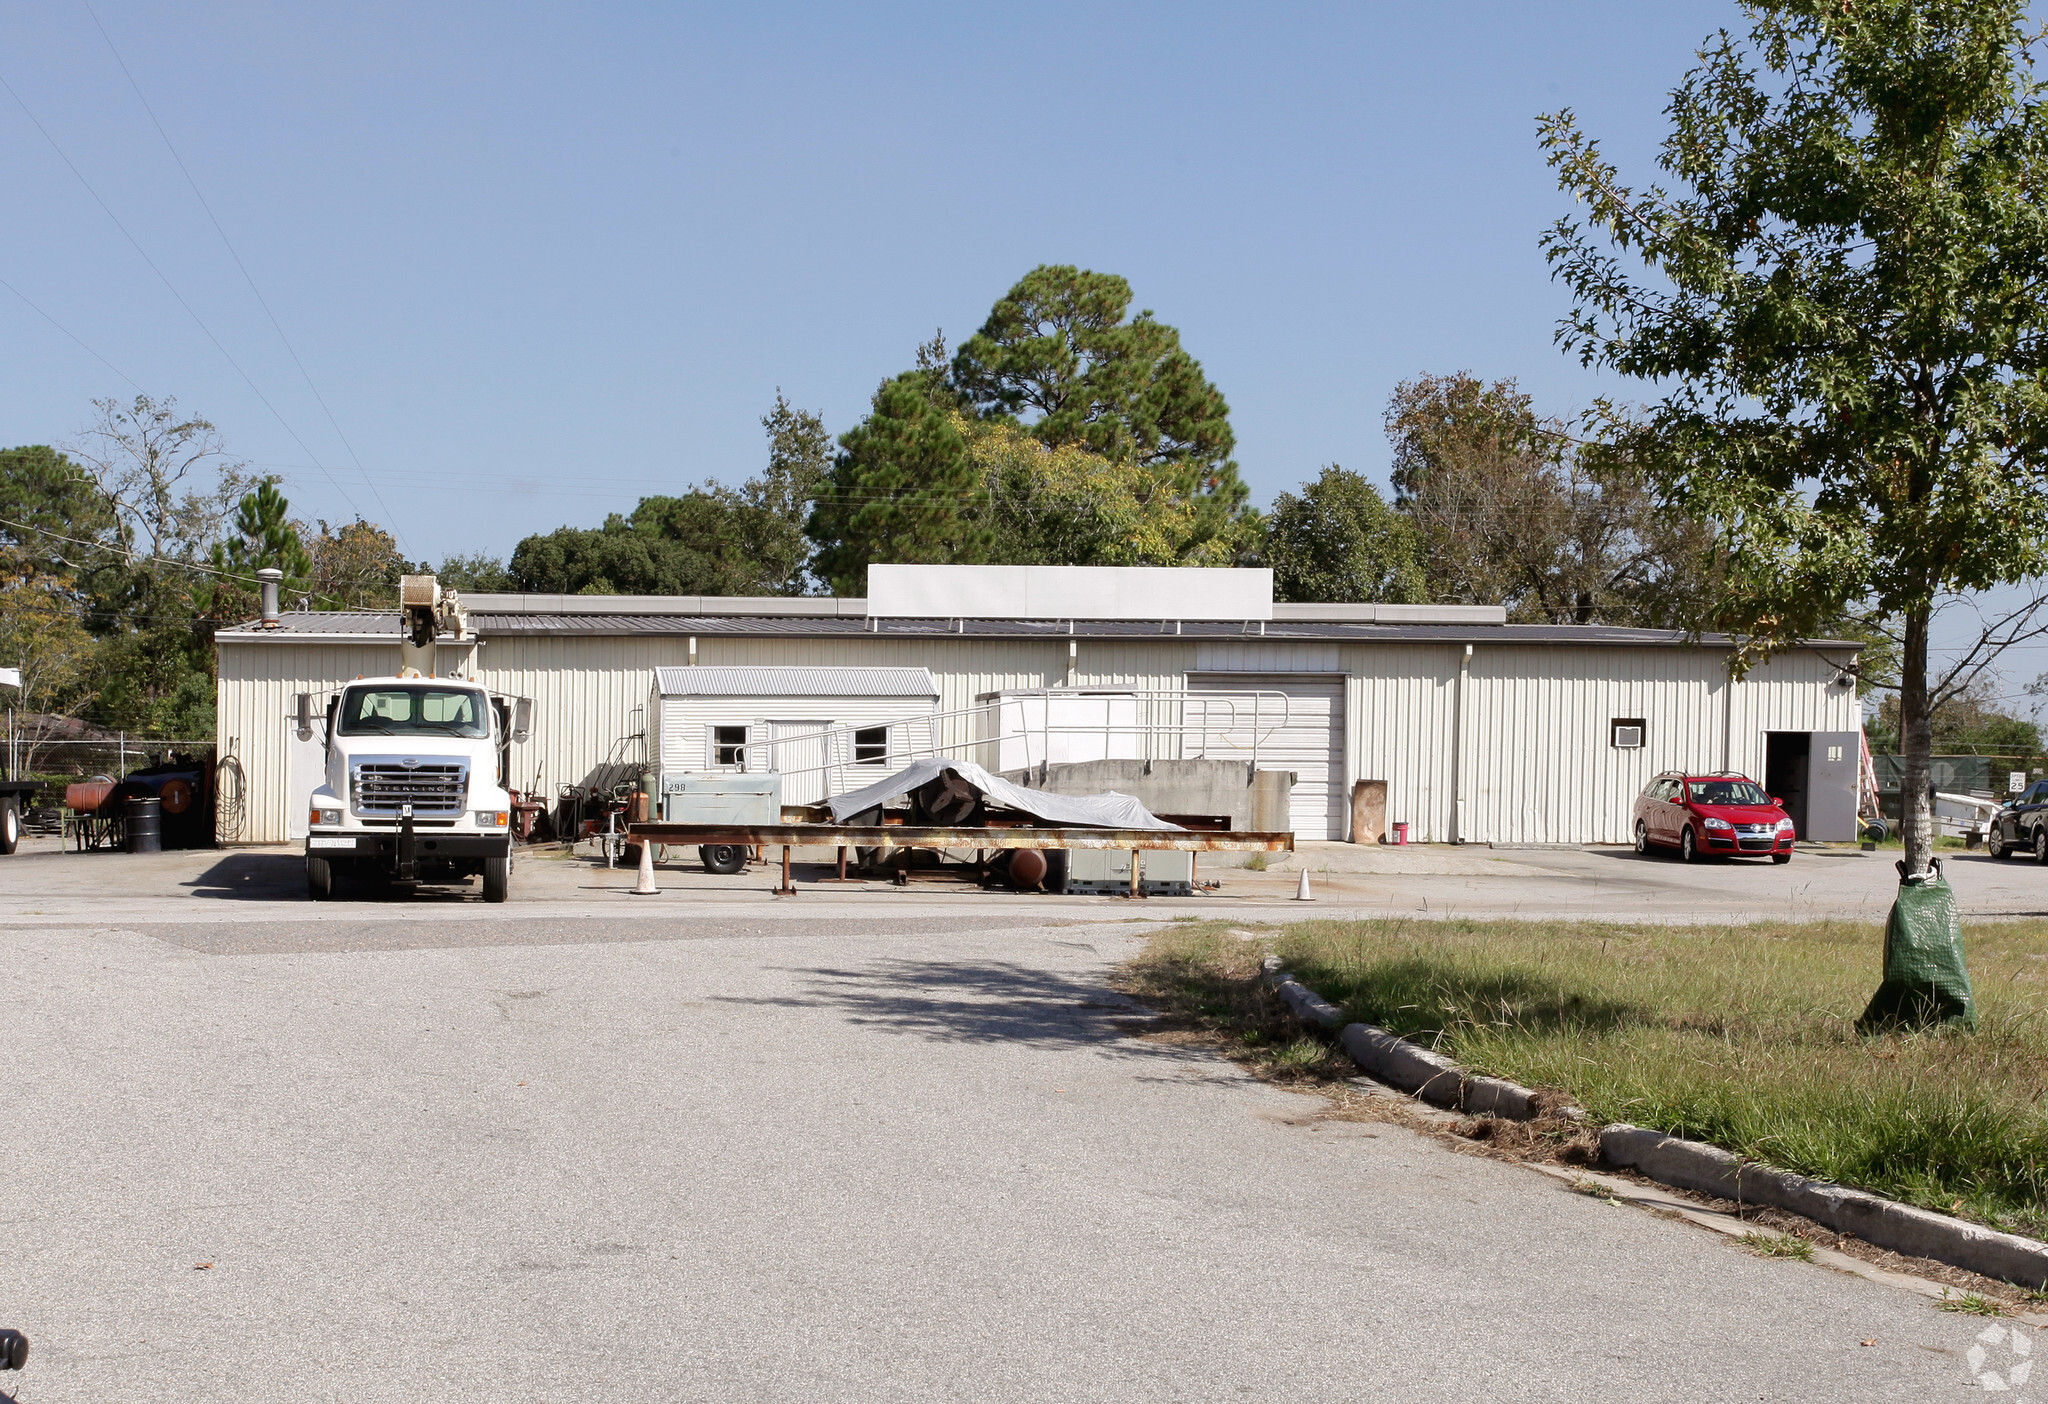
[(837, 741)]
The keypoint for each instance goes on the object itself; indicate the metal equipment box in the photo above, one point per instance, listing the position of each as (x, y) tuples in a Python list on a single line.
[(723, 797), (1164, 872)]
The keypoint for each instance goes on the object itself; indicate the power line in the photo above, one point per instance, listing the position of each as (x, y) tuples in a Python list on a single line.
[(68, 332), (133, 556), (260, 299), (168, 284)]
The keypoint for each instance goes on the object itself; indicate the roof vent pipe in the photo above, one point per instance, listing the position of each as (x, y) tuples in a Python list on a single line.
[(271, 577)]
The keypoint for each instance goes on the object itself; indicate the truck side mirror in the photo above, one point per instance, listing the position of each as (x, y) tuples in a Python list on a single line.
[(522, 719), (305, 716)]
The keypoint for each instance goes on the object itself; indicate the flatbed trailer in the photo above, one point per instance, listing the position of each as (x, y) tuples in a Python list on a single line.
[(890, 837), (14, 799)]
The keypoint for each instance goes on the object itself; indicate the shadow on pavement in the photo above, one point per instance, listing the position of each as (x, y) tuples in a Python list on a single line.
[(262, 877), (975, 1002)]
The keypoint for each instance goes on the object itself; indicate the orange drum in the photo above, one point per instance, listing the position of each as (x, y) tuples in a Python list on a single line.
[(177, 796), (86, 796)]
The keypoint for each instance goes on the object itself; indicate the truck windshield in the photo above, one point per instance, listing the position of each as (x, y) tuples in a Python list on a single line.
[(412, 711)]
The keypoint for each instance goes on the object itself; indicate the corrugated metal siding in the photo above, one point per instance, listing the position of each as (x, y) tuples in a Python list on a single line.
[(1791, 692), (1397, 722), (1537, 766), (1252, 656), (253, 697), (1536, 755), (703, 681)]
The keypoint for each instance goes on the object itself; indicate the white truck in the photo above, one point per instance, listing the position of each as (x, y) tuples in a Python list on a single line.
[(416, 781)]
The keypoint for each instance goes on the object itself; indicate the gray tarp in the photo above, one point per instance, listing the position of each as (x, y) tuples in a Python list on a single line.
[(1107, 811)]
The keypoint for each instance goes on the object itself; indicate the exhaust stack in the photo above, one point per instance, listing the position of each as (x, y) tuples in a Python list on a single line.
[(271, 577)]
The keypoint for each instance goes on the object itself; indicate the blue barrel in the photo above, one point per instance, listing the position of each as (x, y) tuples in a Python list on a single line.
[(144, 821)]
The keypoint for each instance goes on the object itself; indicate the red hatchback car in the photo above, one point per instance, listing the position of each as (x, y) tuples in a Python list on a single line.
[(1701, 815)]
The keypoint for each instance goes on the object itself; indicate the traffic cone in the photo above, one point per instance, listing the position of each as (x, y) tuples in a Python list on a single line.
[(1301, 892), (646, 887)]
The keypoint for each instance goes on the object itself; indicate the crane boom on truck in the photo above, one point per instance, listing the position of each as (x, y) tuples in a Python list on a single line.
[(418, 767)]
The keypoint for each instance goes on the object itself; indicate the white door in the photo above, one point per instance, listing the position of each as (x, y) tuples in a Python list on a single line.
[(799, 752), (305, 769), (1282, 724)]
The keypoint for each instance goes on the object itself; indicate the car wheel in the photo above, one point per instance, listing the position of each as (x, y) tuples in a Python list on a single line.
[(1781, 857), (319, 879), (497, 877), (1642, 838), (2041, 844), (1687, 848), (1994, 842), (722, 857)]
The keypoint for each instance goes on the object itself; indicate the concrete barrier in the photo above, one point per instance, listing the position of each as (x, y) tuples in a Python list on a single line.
[(1918, 1233)]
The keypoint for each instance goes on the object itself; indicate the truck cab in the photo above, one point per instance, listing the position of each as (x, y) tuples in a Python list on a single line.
[(415, 784)]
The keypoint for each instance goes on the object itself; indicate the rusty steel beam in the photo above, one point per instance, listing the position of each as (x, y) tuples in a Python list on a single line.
[(888, 836)]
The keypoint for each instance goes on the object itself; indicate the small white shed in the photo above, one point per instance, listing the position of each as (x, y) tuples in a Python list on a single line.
[(810, 723)]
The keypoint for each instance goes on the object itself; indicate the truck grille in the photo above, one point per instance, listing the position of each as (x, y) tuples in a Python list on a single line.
[(429, 789)]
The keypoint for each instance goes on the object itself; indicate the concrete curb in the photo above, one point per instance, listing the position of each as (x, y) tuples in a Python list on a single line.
[(1692, 1165), (1918, 1233), (1399, 1063)]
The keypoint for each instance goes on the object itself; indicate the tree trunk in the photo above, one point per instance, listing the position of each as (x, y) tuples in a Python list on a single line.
[(1916, 744)]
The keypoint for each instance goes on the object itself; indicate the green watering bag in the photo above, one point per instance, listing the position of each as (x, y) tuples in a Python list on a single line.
[(1925, 979)]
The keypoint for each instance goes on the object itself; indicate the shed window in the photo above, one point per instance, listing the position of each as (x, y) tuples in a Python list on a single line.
[(729, 746), (871, 745), (1625, 733)]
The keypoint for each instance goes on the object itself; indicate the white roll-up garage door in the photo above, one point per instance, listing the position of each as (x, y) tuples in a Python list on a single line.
[(1296, 724)]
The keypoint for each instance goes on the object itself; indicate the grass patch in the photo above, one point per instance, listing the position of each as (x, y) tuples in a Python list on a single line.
[(1970, 1304), (1778, 1245), (1210, 981), (1743, 1037)]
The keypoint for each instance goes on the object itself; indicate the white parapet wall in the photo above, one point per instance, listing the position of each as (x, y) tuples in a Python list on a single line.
[(1068, 592)]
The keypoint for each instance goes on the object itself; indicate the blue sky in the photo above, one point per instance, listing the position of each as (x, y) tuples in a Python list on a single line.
[(540, 261)]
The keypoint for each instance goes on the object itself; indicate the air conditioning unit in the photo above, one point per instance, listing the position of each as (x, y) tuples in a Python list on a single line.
[(1625, 733)]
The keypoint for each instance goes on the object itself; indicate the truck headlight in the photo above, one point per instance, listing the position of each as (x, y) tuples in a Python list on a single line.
[(492, 818), (325, 816)]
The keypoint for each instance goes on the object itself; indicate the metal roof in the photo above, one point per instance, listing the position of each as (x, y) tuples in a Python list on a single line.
[(795, 682), (343, 625), (789, 606), (326, 625)]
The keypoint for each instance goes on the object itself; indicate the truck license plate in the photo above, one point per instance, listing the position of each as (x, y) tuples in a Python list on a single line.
[(333, 841)]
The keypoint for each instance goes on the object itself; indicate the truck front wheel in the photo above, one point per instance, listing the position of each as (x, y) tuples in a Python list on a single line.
[(497, 877), (10, 825), (319, 879)]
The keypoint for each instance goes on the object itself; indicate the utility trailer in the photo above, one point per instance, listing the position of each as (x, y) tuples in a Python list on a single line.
[(886, 839)]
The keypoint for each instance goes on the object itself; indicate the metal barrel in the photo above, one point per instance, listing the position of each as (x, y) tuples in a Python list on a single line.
[(86, 796), (145, 824)]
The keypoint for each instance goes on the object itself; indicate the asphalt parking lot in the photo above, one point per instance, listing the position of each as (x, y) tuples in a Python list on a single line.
[(857, 1144), (1616, 884)]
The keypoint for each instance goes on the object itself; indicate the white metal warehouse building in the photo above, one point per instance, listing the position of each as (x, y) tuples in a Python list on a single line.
[(1483, 731)]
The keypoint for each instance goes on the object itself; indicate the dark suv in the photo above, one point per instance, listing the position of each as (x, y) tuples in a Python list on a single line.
[(2021, 825), (1701, 815)]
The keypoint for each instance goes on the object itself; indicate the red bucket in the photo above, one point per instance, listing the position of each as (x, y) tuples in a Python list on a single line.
[(1400, 833)]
